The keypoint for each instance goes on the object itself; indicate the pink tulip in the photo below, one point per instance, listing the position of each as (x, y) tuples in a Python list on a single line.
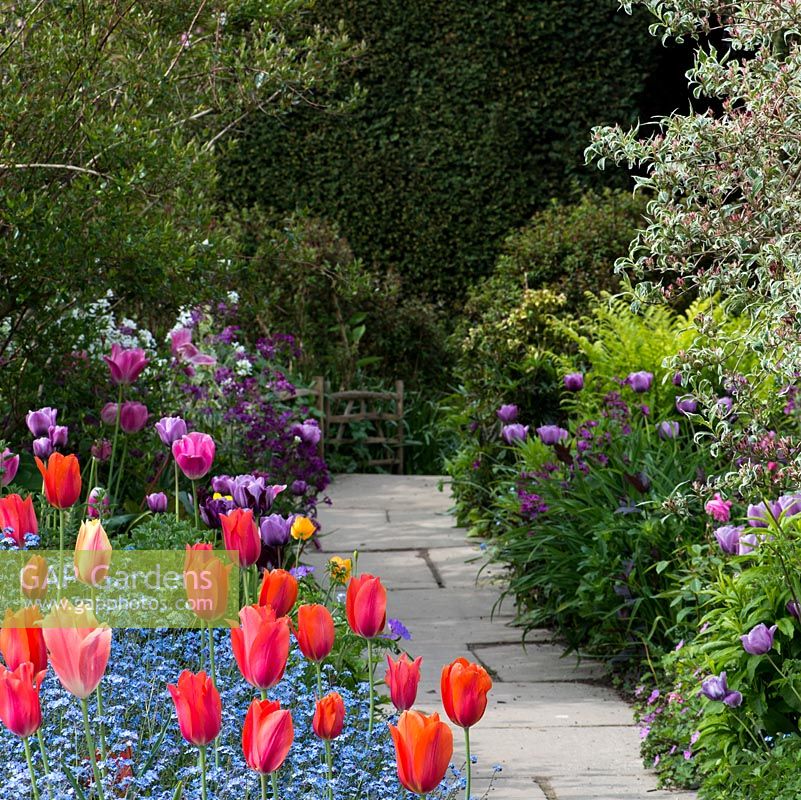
[(403, 677), (194, 454), (79, 648), (20, 708), (133, 417), (261, 646), (182, 347), (9, 464), (199, 707), (125, 365)]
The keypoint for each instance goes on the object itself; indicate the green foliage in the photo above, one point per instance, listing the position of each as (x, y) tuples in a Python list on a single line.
[(112, 115), (162, 532), (471, 115)]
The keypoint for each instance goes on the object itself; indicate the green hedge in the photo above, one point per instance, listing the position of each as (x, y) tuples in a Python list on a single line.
[(473, 114)]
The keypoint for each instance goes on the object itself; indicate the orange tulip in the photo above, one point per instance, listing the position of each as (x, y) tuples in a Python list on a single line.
[(33, 578), (279, 589), (464, 688), (199, 708), (423, 748), (62, 479), (329, 716), (241, 534), (20, 707), (315, 631), (92, 553), (261, 646), (366, 605), (79, 648), (267, 736), (18, 516), (206, 582), (403, 677), (21, 639)]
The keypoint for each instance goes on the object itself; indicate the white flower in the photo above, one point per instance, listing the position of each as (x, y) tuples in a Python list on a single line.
[(233, 297)]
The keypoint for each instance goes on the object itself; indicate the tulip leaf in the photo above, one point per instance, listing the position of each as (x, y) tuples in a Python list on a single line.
[(156, 749), (79, 793), (179, 791)]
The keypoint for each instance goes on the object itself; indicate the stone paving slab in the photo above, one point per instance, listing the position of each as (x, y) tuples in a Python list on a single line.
[(555, 728)]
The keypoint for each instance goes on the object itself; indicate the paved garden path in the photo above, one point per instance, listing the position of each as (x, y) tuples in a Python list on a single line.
[(558, 732)]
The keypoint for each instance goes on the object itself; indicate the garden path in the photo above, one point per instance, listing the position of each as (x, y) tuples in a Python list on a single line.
[(557, 730)]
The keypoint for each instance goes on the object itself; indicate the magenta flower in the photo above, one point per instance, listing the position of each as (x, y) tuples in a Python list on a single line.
[(182, 347), (552, 434), (574, 381), (9, 464), (102, 450), (133, 417), (507, 413), (718, 508), (125, 365), (108, 414), (97, 502), (156, 502), (640, 381), (39, 422), (194, 454), (728, 538), (170, 429), (514, 433), (759, 640)]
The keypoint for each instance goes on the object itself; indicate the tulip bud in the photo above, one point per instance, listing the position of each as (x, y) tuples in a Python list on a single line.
[(157, 502), (58, 435), (92, 553), (42, 447), (329, 716), (33, 578)]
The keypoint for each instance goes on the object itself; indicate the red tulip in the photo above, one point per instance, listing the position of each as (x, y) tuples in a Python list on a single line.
[(267, 736), (18, 515), (261, 646), (366, 605), (279, 589), (199, 708), (194, 454), (21, 639), (423, 748), (402, 677), (62, 479), (125, 365), (20, 708), (315, 631), (79, 648), (329, 716), (241, 534), (464, 688), (206, 581)]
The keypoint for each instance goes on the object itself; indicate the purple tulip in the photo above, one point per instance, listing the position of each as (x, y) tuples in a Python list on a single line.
[(299, 488), (552, 434), (640, 381), (759, 640), (251, 492), (157, 502), (715, 688), (102, 450), (42, 447), (223, 484), (747, 544), (668, 429), (308, 432), (108, 414), (574, 381), (275, 530), (686, 404), (170, 429), (793, 609), (9, 464), (133, 417), (790, 505), (124, 365), (725, 405), (507, 413), (58, 435), (212, 508), (760, 514), (39, 422), (677, 379), (728, 537)]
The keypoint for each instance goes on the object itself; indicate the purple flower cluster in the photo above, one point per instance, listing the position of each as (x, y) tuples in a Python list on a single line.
[(48, 436)]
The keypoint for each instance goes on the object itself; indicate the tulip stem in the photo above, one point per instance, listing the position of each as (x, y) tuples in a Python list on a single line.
[(202, 766), (194, 502), (469, 762), (43, 751), (330, 770), (177, 506), (60, 552), (370, 683), (92, 473), (121, 470), (102, 732), (263, 777), (114, 441), (27, 745), (214, 683), (319, 679), (90, 743), (274, 779)]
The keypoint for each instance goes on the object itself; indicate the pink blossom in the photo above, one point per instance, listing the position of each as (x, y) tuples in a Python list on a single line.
[(718, 508)]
